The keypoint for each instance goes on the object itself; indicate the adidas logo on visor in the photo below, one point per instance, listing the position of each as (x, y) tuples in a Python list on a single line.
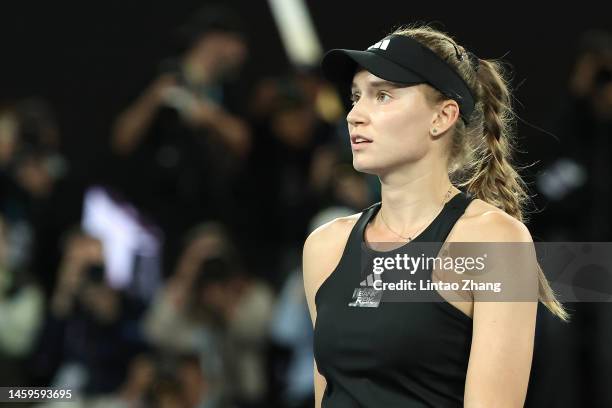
[(381, 45)]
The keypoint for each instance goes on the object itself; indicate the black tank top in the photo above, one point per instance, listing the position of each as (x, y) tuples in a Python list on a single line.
[(396, 355)]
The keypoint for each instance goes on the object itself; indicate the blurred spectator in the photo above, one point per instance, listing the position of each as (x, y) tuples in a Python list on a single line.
[(292, 163), (576, 182), (21, 314), (181, 142), (317, 92), (89, 337), (35, 197), (11, 204), (212, 307)]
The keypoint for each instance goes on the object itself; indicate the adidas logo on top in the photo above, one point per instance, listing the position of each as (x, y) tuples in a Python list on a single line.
[(370, 278)]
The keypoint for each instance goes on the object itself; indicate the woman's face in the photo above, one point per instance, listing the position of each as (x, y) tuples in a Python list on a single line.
[(394, 120)]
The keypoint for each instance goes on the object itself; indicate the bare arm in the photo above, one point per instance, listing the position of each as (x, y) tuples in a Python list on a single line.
[(232, 130), (319, 385), (503, 331), (133, 123), (322, 252)]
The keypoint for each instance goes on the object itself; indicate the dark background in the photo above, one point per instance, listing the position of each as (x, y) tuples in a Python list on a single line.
[(89, 60)]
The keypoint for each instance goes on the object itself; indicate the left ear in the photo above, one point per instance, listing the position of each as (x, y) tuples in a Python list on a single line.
[(445, 117)]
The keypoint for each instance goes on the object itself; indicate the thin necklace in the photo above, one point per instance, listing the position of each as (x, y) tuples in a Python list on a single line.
[(423, 225)]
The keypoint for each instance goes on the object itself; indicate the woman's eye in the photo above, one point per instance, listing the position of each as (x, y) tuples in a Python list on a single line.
[(354, 99), (383, 96)]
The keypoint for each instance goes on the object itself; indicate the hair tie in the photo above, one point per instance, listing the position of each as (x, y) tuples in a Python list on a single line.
[(457, 53), (474, 60)]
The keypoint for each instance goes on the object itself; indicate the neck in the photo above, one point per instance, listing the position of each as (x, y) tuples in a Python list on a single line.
[(412, 197)]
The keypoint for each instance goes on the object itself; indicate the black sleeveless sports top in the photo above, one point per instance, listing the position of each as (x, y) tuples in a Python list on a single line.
[(396, 355)]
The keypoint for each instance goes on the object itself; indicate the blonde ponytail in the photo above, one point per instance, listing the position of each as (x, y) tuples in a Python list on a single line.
[(482, 147)]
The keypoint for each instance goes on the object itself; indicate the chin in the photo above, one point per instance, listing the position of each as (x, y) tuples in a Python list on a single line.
[(363, 165)]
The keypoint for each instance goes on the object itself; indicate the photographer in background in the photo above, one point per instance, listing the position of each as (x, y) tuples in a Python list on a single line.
[(213, 307), (181, 144), (39, 196), (89, 337)]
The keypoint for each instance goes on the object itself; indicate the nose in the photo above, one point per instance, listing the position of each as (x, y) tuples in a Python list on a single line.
[(357, 115)]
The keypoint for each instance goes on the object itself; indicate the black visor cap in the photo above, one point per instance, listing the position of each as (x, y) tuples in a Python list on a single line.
[(401, 60), (339, 66)]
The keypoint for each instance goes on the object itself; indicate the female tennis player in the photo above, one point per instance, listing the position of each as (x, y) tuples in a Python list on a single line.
[(434, 123)]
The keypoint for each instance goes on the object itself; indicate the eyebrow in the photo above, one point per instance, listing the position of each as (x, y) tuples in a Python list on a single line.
[(377, 83)]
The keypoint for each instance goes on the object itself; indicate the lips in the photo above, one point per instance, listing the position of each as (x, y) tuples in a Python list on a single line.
[(359, 139)]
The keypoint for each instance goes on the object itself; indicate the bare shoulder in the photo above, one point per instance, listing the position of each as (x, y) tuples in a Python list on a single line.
[(322, 251), (326, 244), (485, 222), (331, 232)]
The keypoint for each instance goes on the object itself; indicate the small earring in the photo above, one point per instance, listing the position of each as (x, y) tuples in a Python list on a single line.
[(434, 131)]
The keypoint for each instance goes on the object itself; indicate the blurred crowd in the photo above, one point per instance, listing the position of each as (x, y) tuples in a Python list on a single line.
[(232, 183)]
